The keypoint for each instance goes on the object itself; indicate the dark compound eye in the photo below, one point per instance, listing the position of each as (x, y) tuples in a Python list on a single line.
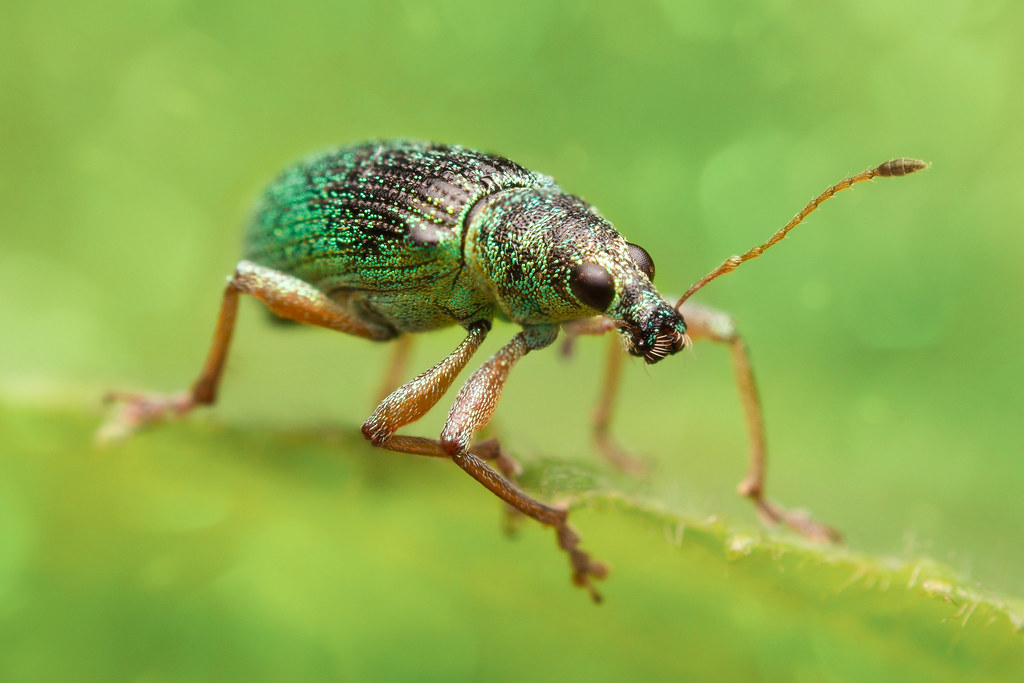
[(643, 260), (592, 285)]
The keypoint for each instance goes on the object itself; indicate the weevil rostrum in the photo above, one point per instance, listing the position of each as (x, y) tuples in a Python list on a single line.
[(386, 239)]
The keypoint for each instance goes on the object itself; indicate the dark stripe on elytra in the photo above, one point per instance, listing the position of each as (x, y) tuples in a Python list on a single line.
[(406, 284), (382, 204), (356, 253)]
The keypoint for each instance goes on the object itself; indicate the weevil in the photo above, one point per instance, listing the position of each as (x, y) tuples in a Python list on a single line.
[(386, 239)]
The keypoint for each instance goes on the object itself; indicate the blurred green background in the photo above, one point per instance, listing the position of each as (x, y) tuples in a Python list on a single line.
[(885, 333)]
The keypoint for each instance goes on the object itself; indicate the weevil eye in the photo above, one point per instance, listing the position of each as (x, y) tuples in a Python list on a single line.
[(642, 260), (592, 285)]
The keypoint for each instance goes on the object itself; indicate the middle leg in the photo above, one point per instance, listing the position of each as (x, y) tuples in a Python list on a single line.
[(472, 409), (396, 368), (603, 411)]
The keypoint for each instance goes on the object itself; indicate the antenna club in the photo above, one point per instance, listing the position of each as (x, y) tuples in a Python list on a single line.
[(898, 167)]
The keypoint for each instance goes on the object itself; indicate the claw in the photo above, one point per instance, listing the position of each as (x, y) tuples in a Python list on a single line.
[(797, 520), (583, 568), (138, 410)]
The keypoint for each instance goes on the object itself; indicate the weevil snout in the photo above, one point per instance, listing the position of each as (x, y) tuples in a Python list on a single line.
[(657, 334)]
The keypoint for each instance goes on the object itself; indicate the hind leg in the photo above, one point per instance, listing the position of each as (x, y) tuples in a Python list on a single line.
[(284, 295)]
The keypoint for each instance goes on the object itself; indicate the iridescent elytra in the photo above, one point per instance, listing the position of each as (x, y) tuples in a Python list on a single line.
[(386, 239)]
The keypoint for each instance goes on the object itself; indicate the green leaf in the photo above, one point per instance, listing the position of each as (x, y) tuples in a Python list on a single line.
[(197, 551)]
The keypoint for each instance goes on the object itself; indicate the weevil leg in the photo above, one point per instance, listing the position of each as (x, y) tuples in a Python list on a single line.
[(490, 450), (707, 323), (487, 451), (606, 445), (584, 568), (284, 295), (412, 400), (472, 409), (396, 367), (596, 327)]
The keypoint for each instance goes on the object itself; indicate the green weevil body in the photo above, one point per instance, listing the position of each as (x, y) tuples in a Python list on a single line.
[(410, 236), (384, 239)]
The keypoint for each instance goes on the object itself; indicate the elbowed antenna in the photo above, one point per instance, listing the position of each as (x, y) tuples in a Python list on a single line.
[(893, 168)]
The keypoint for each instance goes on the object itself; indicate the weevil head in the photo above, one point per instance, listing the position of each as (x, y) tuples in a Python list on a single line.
[(551, 257)]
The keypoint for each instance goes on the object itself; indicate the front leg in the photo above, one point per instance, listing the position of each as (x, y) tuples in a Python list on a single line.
[(603, 411), (708, 323), (285, 295)]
